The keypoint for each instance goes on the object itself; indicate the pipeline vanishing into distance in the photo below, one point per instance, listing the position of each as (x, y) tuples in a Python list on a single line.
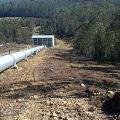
[(10, 60)]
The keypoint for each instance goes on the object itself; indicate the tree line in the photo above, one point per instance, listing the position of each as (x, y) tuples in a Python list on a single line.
[(91, 26), (12, 30)]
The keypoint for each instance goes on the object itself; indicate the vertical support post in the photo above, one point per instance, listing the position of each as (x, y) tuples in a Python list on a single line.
[(47, 42), (15, 65), (53, 41), (42, 41), (9, 52), (37, 41)]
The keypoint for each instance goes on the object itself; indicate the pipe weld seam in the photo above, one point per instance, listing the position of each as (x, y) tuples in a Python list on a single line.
[(13, 59)]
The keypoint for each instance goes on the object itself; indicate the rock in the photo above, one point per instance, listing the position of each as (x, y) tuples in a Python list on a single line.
[(54, 114), (58, 112), (110, 92), (89, 113), (51, 70), (15, 67), (83, 85), (60, 117), (89, 92), (35, 96), (12, 89), (118, 117), (91, 109), (1, 45), (112, 104), (20, 100), (65, 118)]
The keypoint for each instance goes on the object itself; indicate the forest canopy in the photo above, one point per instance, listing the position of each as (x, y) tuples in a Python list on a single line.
[(91, 26)]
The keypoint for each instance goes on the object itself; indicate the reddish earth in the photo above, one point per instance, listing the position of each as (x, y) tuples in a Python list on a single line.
[(57, 85)]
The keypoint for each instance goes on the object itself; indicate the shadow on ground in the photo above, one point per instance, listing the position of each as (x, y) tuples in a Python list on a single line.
[(71, 57), (59, 89), (112, 105), (59, 84), (61, 81), (55, 89)]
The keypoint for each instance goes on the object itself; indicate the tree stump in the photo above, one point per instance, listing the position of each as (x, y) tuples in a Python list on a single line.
[(112, 104)]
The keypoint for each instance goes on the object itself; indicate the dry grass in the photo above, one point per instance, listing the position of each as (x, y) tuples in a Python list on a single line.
[(12, 47), (48, 87)]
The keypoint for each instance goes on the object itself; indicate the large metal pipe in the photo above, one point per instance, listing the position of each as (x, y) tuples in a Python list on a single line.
[(8, 61)]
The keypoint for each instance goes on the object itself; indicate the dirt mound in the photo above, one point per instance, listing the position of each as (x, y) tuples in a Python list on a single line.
[(112, 104)]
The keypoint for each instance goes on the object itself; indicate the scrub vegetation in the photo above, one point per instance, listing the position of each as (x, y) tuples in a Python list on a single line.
[(77, 79), (91, 26)]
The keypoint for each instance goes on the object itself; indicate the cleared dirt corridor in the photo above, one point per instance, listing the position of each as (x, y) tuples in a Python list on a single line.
[(48, 87)]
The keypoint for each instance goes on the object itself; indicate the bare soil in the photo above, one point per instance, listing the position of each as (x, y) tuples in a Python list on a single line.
[(57, 85), (12, 47)]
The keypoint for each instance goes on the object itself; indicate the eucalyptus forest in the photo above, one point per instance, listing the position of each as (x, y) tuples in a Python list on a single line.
[(92, 27)]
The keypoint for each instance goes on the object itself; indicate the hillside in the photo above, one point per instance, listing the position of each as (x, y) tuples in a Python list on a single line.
[(5, 1), (77, 79), (90, 26), (36, 8), (57, 85)]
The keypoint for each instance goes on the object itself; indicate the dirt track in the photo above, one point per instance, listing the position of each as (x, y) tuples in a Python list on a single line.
[(48, 87)]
